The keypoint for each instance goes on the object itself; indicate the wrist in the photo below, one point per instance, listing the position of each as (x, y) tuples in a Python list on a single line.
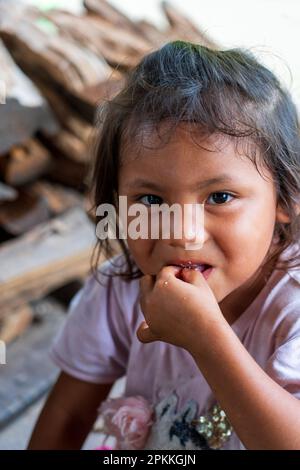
[(208, 335)]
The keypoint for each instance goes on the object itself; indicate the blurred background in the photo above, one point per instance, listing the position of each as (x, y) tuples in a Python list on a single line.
[(58, 60)]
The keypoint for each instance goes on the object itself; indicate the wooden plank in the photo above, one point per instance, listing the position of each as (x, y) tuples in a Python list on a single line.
[(7, 193), (25, 163), (15, 323), (24, 213), (66, 168), (56, 60), (66, 115), (87, 101), (66, 62), (80, 104), (120, 47), (35, 204), (107, 12), (66, 171), (23, 110), (154, 35), (59, 198), (69, 145), (49, 256)]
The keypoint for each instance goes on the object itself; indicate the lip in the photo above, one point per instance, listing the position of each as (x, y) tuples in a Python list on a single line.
[(188, 263), (207, 272), (192, 264)]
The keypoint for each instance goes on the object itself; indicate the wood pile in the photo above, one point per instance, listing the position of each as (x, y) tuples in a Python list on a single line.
[(56, 67)]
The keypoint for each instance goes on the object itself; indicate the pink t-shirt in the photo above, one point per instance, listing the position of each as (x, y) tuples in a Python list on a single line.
[(98, 344)]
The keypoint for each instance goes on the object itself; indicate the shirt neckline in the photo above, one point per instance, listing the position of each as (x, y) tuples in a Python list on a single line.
[(241, 323)]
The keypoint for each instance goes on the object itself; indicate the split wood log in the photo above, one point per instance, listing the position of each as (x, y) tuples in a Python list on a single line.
[(59, 198), (86, 102), (25, 163), (80, 75), (155, 36), (70, 158), (22, 108), (7, 193), (69, 145), (68, 172), (15, 323), (24, 213), (65, 62), (107, 12), (68, 117), (120, 47), (51, 255), (35, 204)]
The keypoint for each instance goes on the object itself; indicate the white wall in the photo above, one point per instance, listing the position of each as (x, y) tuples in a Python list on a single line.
[(270, 28)]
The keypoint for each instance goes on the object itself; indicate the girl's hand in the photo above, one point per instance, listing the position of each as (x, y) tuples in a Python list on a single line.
[(175, 311)]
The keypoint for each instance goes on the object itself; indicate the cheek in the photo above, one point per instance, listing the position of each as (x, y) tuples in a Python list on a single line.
[(245, 237), (141, 252)]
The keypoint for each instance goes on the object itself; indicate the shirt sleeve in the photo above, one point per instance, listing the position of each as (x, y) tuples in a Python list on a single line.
[(93, 344), (284, 364)]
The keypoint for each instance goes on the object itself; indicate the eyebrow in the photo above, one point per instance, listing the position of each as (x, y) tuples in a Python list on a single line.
[(141, 183)]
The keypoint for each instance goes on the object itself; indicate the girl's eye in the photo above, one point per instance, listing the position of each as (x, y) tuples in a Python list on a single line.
[(150, 199), (219, 198)]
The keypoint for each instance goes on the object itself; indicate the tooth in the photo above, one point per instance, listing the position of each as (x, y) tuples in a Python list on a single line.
[(197, 267)]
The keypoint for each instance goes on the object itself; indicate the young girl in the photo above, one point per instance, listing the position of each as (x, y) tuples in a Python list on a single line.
[(209, 336)]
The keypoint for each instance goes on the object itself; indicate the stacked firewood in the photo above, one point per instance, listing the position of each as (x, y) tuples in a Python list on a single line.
[(55, 68)]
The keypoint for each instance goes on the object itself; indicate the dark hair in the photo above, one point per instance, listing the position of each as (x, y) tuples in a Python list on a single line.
[(221, 91)]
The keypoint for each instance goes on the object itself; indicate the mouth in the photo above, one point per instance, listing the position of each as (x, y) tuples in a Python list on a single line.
[(204, 268)]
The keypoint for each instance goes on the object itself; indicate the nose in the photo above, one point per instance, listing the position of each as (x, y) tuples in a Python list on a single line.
[(192, 233)]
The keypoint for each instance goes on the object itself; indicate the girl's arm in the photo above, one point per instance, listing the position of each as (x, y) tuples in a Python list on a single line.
[(68, 415), (262, 413)]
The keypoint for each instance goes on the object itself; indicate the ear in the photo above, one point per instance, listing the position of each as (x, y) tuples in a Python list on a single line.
[(282, 215)]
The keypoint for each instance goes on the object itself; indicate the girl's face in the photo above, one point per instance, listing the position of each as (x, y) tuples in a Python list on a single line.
[(239, 207)]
